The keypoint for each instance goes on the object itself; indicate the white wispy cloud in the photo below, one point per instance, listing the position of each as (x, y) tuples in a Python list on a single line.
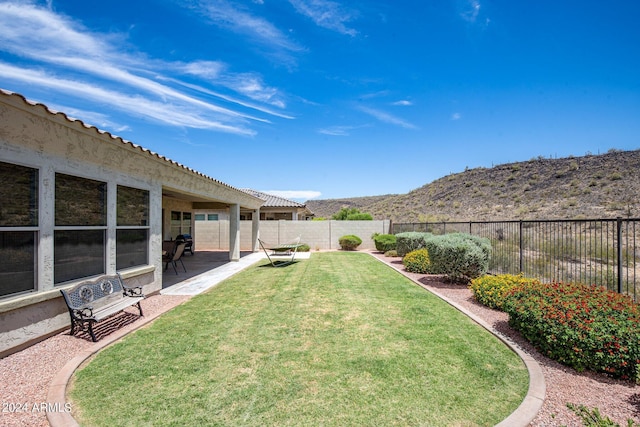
[(170, 114), (336, 130), (471, 10), (385, 117), (97, 63), (232, 16), (327, 14), (339, 130), (295, 194), (456, 116), (403, 103)]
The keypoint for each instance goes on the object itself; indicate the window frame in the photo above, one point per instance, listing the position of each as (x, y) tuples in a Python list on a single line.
[(144, 225), (33, 228), (66, 228)]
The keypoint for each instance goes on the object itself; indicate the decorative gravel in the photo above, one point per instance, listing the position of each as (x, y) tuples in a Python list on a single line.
[(26, 375)]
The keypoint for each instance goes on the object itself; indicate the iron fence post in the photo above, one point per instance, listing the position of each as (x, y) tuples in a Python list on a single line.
[(521, 248), (619, 251)]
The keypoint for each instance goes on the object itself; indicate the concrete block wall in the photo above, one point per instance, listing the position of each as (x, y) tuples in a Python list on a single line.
[(319, 235)]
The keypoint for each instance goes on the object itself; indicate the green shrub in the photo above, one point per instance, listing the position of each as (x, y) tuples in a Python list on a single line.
[(410, 241), (349, 242), (360, 217), (351, 214), (417, 261), (460, 256), (304, 248), (385, 242), (491, 290), (585, 327), (391, 253)]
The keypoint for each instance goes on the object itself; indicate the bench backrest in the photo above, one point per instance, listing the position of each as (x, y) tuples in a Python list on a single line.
[(91, 291)]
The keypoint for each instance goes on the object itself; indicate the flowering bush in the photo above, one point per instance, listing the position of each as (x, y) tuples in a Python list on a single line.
[(491, 290), (585, 327), (417, 261)]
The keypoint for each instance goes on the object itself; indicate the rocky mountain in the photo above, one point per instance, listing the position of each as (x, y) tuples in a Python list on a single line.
[(591, 186)]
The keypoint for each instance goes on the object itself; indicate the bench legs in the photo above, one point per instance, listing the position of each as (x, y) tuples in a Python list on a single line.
[(75, 322)]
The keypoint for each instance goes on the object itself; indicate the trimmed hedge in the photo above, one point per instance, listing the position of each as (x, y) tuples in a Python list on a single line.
[(410, 241), (349, 242), (585, 327), (385, 242), (460, 256)]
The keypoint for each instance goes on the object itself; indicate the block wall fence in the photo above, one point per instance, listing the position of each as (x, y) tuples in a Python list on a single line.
[(319, 235)]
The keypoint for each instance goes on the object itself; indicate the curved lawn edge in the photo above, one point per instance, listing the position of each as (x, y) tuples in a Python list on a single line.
[(522, 416), (532, 403), (57, 392)]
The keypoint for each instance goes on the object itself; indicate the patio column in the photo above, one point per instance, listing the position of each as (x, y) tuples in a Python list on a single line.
[(234, 232), (255, 230)]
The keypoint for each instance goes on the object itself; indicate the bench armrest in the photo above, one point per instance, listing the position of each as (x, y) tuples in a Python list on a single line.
[(83, 313), (132, 292)]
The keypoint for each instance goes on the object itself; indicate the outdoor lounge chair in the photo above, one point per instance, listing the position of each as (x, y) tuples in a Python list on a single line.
[(174, 257), (281, 249)]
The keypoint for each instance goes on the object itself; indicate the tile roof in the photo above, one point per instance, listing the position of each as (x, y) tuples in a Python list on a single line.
[(272, 201)]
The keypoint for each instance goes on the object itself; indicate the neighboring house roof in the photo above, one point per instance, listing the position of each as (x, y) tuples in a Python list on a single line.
[(272, 201), (30, 103)]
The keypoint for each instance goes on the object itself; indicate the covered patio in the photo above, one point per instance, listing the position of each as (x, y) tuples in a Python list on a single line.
[(198, 263)]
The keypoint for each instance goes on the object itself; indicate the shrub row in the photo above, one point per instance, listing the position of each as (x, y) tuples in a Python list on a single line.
[(459, 256), (584, 327)]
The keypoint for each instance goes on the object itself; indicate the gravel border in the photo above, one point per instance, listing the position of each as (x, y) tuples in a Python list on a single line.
[(28, 374)]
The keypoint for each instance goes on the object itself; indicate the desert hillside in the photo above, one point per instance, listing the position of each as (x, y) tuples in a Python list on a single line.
[(592, 186)]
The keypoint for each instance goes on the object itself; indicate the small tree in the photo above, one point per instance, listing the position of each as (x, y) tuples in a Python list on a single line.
[(351, 214)]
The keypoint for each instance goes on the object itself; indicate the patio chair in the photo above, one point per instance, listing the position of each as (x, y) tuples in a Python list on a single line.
[(173, 258)]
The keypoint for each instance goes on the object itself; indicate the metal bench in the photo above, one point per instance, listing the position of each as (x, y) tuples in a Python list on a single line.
[(94, 300)]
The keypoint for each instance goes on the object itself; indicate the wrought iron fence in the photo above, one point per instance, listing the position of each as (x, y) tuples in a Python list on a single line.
[(604, 252)]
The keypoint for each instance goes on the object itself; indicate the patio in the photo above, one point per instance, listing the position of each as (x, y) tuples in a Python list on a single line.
[(196, 264)]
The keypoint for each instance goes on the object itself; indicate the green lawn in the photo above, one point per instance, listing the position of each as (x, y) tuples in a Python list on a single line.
[(337, 340)]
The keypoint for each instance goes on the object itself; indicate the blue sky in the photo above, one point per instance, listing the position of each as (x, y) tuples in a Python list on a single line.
[(330, 99)]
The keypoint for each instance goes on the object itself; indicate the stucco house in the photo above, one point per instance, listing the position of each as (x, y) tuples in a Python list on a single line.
[(278, 208), (78, 202), (274, 208)]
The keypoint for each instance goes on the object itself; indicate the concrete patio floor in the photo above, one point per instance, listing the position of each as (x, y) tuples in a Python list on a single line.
[(206, 269)]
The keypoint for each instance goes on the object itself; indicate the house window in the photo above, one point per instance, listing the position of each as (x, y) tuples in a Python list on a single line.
[(206, 217), (80, 226), (18, 229), (132, 233), (180, 223)]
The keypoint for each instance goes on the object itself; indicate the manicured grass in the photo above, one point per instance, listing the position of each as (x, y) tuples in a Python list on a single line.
[(336, 340)]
